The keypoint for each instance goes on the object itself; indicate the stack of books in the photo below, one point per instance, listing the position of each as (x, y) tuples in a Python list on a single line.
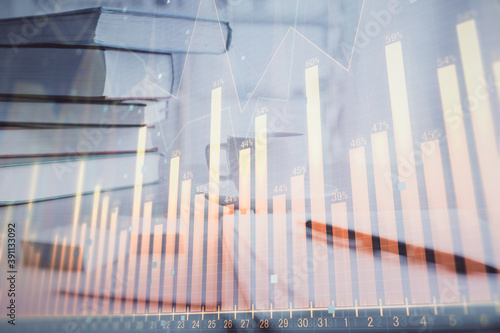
[(76, 88)]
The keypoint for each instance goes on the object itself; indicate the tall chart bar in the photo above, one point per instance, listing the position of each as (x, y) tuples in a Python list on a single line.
[(142, 287), (155, 268), (227, 258), (261, 214), (197, 262), (101, 245), (342, 256), (213, 202), (244, 232), (136, 213), (108, 277), (439, 221), (76, 216), (482, 121), (317, 188), (362, 224), (460, 167), (183, 247), (410, 201), (173, 194), (391, 270), (300, 273), (280, 273), (91, 248), (120, 271)]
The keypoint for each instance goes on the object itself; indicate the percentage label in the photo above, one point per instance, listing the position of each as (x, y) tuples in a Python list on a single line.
[(230, 199), (339, 196), (434, 134), (187, 175), (280, 189), (261, 111), (312, 62), (248, 143), (300, 170), (201, 189), (446, 60), (176, 152), (380, 126), (394, 37), (217, 83), (358, 142)]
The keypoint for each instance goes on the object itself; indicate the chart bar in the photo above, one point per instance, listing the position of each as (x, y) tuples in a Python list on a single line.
[(317, 188), (213, 202), (439, 220), (496, 73), (244, 232), (155, 269), (197, 262), (100, 252), (183, 248), (463, 182), (342, 256), (79, 267), (34, 287), (62, 259), (173, 194), (120, 272), (136, 214), (109, 263), (280, 274), (92, 248), (391, 270), (76, 217), (261, 215), (410, 200), (362, 224), (300, 274), (49, 285), (227, 258), (142, 288), (482, 119)]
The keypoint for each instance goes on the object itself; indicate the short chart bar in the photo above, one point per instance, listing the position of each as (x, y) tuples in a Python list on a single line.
[(142, 287), (182, 256), (280, 275), (300, 274), (136, 214), (155, 268), (261, 214), (213, 202), (317, 188), (410, 200), (342, 256), (393, 285), (197, 268), (227, 258), (244, 249), (111, 258), (461, 169), (362, 225), (173, 194), (439, 221), (482, 119)]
